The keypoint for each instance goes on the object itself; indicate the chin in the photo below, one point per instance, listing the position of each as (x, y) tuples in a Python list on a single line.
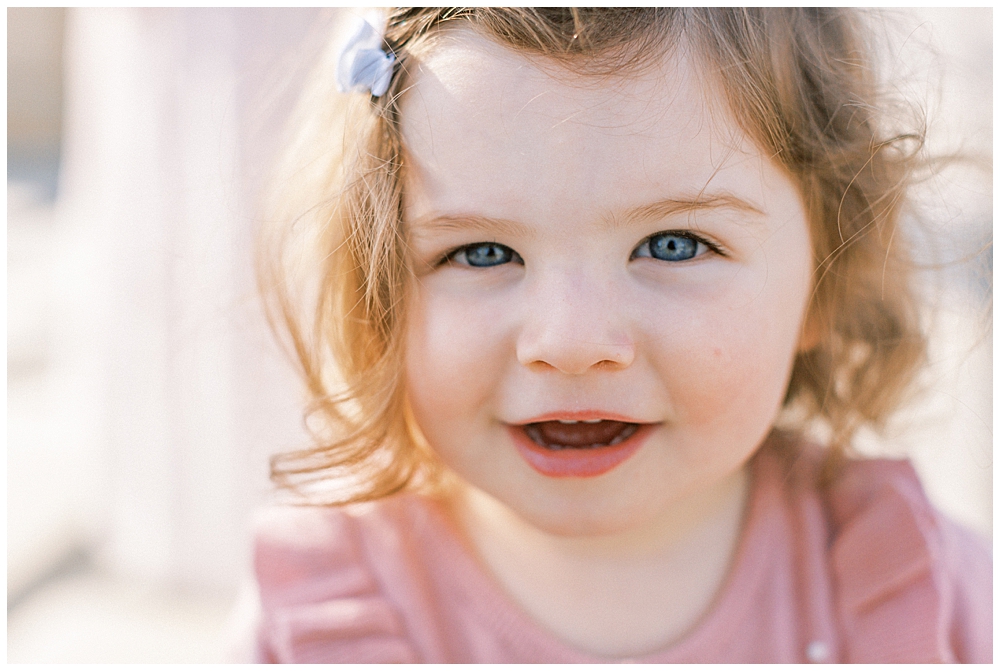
[(571, 521)]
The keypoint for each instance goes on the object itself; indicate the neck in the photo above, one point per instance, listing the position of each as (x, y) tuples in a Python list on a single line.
[(623, 593)]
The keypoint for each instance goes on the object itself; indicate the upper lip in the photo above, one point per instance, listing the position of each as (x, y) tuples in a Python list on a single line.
[(580, 416)]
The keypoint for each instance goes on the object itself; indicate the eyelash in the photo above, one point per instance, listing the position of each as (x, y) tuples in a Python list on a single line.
[(697, 239), (514, 257), (464, 249)]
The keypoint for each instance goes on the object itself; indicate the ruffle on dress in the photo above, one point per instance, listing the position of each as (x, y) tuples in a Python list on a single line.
[(321, 603)]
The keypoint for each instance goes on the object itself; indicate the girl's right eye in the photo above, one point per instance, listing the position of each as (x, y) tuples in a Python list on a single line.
[(484, 255)]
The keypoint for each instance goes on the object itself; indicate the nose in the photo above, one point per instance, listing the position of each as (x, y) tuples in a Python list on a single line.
[(575, 326)]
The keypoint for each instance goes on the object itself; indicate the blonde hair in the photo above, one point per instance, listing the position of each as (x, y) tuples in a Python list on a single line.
[(800, 82)]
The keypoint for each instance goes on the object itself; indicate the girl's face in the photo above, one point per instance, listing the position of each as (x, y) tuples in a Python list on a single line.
[(591, 250)]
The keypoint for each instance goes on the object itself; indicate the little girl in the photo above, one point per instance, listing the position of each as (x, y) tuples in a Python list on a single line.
[(575, 286)]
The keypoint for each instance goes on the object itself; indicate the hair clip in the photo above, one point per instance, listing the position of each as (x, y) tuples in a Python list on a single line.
[(364, 67)]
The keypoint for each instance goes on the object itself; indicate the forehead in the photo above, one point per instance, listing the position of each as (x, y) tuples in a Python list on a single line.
[(485, 126)]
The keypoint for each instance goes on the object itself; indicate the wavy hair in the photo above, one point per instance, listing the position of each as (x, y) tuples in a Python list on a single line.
[(801, 82)]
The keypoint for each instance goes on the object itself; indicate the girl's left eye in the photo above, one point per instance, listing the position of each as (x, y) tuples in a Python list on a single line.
[(671, 247), (484, 255)]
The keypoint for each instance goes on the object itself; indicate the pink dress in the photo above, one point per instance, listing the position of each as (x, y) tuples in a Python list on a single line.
[(863, 571)]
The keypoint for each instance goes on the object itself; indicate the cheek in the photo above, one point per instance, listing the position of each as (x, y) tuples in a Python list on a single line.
[(452, 360), (729, 364)]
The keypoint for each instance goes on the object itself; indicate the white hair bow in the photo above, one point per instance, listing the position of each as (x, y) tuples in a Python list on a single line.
[(364, 67)]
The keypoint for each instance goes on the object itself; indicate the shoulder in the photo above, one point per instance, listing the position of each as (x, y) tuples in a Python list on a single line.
[(969, 562), (320, 596), (910, 584)]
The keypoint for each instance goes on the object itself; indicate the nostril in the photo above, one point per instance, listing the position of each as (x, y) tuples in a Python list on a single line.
[(574, 326), (618, 362), (574, 356)]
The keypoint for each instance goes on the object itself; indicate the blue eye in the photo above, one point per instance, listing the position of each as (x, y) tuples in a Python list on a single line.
[(669, 247), (485, 255)]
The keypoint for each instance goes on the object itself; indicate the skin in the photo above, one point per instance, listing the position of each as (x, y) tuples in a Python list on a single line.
[(575, 175)]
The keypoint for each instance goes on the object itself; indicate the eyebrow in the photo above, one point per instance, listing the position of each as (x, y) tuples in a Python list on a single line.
[(444, 223), (673, 206), (666, 207)]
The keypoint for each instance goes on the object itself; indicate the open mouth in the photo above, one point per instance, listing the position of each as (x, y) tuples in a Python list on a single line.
[(580, 449), (582, 435)]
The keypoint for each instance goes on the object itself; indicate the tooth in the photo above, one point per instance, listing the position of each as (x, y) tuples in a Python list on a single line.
[(624, 435), (568, 421), (592, 421)]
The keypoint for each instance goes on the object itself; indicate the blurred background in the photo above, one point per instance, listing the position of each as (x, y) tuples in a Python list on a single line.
[(144, 392)]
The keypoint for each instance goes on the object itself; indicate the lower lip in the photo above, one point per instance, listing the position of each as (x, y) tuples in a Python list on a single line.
[(571, 462)]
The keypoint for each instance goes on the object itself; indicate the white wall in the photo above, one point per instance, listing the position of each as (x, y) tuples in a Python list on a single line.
[(171, 381)]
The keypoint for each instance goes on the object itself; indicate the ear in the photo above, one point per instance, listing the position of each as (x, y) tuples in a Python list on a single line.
[(416, 435), (811, 332)]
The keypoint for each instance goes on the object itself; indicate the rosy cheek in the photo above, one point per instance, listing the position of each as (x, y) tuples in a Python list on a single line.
[(450, 357), (717, 370)]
